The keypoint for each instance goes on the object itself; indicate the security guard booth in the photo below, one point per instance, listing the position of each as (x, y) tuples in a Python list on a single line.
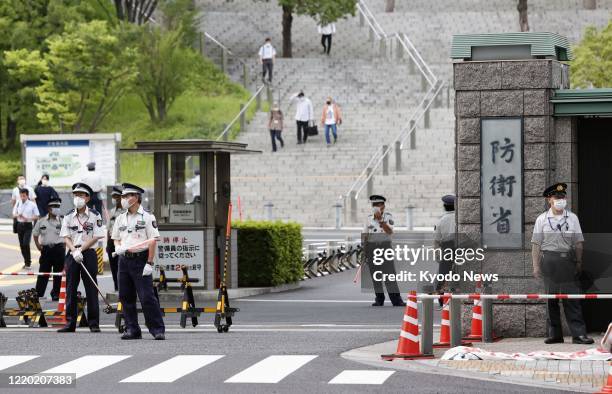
[(520, 128), (191, 193)]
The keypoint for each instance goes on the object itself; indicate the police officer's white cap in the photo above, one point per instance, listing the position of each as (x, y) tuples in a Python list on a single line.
[(128, 188), (82, 187), (375, 198)]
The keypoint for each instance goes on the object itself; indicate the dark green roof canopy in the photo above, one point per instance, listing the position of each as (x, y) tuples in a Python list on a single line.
[(582, 102), (538, 44)]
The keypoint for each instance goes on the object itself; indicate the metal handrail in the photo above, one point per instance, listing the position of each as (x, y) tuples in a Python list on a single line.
[(435, 86), (242, 111), (225, 48)]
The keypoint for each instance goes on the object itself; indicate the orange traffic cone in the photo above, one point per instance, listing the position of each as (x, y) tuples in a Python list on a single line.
[(445, 325), (408, 346), (61, 305), (608, 387), (476, 330)]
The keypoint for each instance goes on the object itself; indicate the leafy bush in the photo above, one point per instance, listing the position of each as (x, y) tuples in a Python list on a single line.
[(9, 171), (269, 253)]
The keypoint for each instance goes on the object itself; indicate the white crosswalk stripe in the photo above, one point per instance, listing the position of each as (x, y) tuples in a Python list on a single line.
[(272, 369), (11, 361), (85, 365), (361, 377), (172, 369)]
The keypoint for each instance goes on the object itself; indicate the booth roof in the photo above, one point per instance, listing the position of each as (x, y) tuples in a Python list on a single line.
[(189, 146)]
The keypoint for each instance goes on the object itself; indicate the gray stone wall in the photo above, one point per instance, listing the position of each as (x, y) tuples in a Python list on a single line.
[(504, 89)]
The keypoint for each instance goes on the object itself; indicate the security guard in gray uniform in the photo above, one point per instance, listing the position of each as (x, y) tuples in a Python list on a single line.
[(557, 258), (132, 228), (51, 246), (379, 228), (82, 228), (115, 211), (444, 238)]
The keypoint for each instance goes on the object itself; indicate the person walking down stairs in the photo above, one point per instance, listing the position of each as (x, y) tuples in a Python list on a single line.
[(326, 32), (330, 119), (304, 113), (275, 124)]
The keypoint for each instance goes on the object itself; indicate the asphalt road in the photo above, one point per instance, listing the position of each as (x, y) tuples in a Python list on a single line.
[(282, 342)]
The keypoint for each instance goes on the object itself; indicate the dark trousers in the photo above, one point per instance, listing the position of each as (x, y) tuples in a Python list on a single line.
[(326, 38), (51, 260), (302, 135), (387, 267), (24, 233), (113, 261), (559, 273), (74, 270), (132, 283), (266, 67), (276, 135)]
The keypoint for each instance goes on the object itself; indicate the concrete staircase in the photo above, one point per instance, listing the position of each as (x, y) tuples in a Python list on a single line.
[(377, 97)]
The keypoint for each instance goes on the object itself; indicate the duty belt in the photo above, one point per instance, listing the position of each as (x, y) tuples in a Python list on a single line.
[(131, 255), (555, 253)]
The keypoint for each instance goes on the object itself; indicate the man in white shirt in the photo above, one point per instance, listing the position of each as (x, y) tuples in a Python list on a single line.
[(25, 212), (194, 186), (267, 55), (94, 180), (326, 32), (304, 113), (21, 184)]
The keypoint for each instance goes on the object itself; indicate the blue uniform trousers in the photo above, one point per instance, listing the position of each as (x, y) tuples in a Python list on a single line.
[(132, 283)]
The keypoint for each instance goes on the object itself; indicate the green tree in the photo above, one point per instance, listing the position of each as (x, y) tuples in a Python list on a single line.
[(86, 70), (323, 11), (592, 64), (165, 69), (27, 25)]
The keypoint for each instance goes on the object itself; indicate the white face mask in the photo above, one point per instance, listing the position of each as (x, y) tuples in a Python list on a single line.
[(125, 203), (560, 204), (44, 182), (55, 211), (79, 202), (375, 210)]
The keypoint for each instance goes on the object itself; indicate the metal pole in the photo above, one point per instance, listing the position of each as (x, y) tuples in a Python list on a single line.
[(268, 208), (371, 34), (411, 68), (487, 316), (426, 120), (400, 50), (448, 93), (410, 218), (370, 181), (245, 75), (398, 156), (385, 163), (455, 322), (258, 101), (423, 83), (225, 135), (338, 207), (242, 119), (383, 48), (361, 19), (412, 135), (427, 325), (353, 206), (223, 60), (201, 43)]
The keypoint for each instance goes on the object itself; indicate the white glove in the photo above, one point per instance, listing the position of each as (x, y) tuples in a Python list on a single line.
[(148, 270), (120, 250), (78, 256)]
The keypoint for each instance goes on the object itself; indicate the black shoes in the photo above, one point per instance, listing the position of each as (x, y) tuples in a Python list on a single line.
[(399, 303), (551, 340), (67, 329), (94, 329), (159, 337), (378, 303), (582, 340), (126, 335)]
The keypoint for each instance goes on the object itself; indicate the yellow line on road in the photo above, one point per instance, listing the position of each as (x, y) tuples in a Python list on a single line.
[(17, 248)]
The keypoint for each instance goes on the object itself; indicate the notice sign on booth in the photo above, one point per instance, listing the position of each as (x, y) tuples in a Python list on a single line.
[(182, 213), (177, 248)]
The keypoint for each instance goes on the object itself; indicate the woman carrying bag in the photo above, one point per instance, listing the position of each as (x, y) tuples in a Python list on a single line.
[(275, 124), (331, 118)]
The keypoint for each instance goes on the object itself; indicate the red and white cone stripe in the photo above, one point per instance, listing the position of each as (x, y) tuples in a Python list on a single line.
[(31, 274), (476, 296)]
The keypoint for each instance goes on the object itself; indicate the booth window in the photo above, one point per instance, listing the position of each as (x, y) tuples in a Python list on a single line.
[(181, 201)]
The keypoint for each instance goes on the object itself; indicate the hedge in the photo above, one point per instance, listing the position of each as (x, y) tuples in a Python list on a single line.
[(269, 253), (9, 170)]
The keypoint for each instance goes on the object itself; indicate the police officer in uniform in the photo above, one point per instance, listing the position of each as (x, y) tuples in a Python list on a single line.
[(115, 211), (136, 264), (557, 258), (51, 246), (444, 238), (82, 228), (379, 228)]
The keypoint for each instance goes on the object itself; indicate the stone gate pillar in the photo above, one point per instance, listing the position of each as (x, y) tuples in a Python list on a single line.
[(508, 149)]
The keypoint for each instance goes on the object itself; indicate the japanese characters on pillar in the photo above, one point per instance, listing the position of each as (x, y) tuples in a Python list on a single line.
[(501, 181), (176, 248)]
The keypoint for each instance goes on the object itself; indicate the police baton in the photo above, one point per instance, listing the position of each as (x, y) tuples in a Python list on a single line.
[(108, 308)]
